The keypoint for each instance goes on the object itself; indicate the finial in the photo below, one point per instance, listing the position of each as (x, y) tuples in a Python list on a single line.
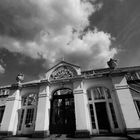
[(112, 63), (63, 58), (20, 78)]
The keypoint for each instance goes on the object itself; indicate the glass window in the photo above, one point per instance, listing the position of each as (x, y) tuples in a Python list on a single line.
[(31, 99), (2, 108), (21, 119), (113, 115), (98, 93), (107, 92), (63, 92), (92, 116), (29, 117), (89, 95), (137, 105), (24, 101)]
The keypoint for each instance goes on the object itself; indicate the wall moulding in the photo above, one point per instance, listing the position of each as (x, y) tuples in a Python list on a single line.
[(78, 91), (121, 87)]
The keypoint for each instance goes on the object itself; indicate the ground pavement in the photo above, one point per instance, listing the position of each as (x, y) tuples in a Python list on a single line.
[(64, 138)]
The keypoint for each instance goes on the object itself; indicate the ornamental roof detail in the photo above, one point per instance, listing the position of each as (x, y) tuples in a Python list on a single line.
[(63, 72)]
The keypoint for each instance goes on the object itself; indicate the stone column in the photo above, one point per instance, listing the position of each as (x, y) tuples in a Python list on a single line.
[(43, 113), (83, 127), (10, 117), (125, 100)]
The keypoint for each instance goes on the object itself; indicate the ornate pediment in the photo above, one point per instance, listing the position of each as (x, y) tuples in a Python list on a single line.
[(63, 72)]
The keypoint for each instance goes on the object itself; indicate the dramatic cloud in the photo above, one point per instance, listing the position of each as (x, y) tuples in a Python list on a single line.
[(121, 19), (51, 29)]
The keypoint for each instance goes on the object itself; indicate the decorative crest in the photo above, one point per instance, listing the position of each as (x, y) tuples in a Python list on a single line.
[(62, 72)]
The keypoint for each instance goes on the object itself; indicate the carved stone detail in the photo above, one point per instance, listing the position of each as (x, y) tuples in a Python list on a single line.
[(20, 78), (112, 63), (63, 72)]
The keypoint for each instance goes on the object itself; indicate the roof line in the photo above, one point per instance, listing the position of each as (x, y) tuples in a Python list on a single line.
[(63, 62)]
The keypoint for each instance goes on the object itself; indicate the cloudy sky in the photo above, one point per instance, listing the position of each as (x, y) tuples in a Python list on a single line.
[(36, 34)]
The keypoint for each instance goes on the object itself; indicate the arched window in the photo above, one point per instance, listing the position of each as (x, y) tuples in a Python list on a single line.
[(64, 91), (63, 72), (98, 93), (31, 99), (103, 117)]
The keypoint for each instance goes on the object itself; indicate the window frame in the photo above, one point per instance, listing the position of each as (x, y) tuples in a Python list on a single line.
[(108, 100), (2, 109), (136, 106)]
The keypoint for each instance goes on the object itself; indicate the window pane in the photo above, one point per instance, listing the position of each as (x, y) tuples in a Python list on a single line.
[(107, 92), (92, 116), (32, 99), (58, 111), (137, 104), (89, 95), (24, 101), (98, 93), (2, 108), (29, 117), (21, 119), (63, 92), (113, 115)]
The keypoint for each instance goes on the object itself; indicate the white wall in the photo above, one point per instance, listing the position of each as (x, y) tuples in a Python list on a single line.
[(10, 117), (126, 103)]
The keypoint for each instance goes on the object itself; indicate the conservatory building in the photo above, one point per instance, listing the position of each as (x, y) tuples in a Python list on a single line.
[(73, 102)]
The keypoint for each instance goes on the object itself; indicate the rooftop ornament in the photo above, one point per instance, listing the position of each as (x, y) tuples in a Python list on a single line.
[(112, 63), (20, 78)]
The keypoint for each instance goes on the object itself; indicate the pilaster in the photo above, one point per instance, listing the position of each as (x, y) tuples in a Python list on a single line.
[(83, 127), (10, 117), (43, 113), (125, 100)]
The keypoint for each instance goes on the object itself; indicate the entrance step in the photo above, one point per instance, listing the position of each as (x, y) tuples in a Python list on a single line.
[(58, 137), (134, 136)]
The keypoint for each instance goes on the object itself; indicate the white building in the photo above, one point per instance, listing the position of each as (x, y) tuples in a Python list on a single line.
[(71, 101)]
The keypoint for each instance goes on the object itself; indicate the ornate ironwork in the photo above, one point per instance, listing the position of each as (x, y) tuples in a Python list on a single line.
[(62, 72)]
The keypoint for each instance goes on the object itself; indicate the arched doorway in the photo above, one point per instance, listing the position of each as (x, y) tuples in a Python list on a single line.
[(62, 120)]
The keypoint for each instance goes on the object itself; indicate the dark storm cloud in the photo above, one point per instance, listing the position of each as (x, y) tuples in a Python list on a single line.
[(17, 63), (19, 19), (115, 15), (43, 29)]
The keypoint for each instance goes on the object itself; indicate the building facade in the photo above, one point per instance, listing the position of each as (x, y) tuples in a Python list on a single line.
[(73, 102)]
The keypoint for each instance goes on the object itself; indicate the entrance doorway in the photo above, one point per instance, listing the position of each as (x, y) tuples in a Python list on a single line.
[(102, 112), (27, 115), (103, 121), (62, 120)]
